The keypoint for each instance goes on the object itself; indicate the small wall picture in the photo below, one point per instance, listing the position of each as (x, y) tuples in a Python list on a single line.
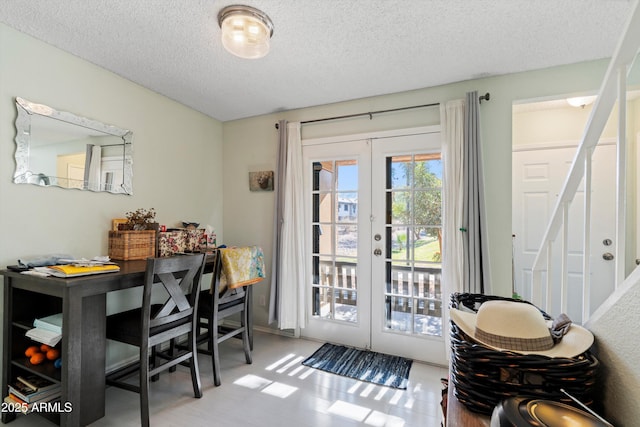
[(261, 181)]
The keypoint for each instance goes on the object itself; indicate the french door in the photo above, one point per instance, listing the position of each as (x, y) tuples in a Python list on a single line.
[(374, 214)]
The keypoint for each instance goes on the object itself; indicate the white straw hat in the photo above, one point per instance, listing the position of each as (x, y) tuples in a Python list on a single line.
[(521, 328)]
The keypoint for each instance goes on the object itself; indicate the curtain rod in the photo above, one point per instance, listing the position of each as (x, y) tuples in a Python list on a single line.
[(371, 113)]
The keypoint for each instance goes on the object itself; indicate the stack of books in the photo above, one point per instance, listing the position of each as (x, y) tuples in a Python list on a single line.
[(25, 391), (47, 330), (75, 270)]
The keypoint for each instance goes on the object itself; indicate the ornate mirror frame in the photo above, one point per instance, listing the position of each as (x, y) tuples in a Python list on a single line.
[(108, 144)]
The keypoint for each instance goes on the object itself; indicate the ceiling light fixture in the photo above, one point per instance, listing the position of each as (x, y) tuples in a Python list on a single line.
[(246, 31), (581, 101)]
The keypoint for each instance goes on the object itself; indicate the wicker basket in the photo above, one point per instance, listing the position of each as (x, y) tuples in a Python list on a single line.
[(130, 245), (483, 377)]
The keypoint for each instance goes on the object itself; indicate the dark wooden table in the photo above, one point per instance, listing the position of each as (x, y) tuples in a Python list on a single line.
[(459, 416), (82, 301)]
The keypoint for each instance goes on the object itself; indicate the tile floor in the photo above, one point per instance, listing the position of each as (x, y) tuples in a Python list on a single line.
[(276, 390)]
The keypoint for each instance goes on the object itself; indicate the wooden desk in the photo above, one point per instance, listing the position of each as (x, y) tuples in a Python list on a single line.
[(82, 301), (459, 415)]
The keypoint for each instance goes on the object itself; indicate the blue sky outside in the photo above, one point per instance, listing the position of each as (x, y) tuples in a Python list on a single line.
[(348, 175)]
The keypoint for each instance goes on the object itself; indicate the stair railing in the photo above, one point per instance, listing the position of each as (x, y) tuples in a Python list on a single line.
[(613, 88)]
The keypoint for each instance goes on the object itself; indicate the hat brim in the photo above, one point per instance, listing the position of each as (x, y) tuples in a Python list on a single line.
[(575, 342)]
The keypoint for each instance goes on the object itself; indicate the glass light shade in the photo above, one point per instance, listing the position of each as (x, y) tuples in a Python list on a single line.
[(581, 101), (245, 31)]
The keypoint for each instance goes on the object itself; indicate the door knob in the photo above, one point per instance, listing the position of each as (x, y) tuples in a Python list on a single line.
[(377, 252), (607, 256)]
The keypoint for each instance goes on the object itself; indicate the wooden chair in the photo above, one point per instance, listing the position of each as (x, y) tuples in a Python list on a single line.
[(152, 324), (219, 303)]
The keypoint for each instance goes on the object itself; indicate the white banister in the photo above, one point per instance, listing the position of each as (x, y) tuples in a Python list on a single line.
[(613, 88)]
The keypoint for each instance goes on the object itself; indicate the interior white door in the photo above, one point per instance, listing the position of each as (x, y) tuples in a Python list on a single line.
[(538, 176)]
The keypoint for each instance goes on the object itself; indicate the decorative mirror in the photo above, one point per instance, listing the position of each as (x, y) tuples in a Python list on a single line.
[(61, 149)]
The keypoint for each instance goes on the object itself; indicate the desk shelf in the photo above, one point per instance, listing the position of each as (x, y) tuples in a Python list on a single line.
[(45, 370), (22, 307)]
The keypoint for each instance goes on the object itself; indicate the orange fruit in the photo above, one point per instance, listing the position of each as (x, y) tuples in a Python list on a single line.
[(53, 354), (37, 358), (44, 348), (32, 350)]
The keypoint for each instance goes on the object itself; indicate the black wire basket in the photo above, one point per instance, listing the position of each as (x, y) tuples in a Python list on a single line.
[(483, 377)]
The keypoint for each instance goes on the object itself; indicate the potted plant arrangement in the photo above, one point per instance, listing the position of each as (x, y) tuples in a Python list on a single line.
[(136, 238), (141, 219)]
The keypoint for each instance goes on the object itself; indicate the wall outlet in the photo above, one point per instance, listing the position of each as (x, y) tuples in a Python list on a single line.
[(263, 300)]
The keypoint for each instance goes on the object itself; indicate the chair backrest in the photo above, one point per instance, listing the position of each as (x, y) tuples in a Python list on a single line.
[(220, 292), (180, 276)]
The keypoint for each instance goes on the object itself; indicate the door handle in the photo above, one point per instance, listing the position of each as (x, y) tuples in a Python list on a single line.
[(377, 252), (607, 256)]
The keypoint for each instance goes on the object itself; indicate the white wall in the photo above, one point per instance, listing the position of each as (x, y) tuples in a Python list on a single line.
[(562, 124), (177, 155), (616, 346)]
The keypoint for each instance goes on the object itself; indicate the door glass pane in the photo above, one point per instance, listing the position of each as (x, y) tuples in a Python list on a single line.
[(325, 207), (323, 176), (326, 238), (401, 207), (335, 240), (347, 240), (427, 244), (400, 172), (414, 238), (326, 271), (347, 205)]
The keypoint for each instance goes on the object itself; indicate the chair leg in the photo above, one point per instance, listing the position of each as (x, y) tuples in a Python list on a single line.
[(211, 329), (249, 324), (172, 352), (154, 362), (213, 345), (246, 342), (195, 370), (144, 387)]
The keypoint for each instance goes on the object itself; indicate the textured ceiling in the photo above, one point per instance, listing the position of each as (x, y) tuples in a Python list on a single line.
[(322, 51)]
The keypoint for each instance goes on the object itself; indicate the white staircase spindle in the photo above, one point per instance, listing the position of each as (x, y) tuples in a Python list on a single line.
[(548, 282), (586, 257), (564, 268), (621, 177)]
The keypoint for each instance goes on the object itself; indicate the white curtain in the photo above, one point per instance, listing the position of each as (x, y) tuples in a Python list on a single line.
[(465, 266), (93, 167), (452, 130), (292, 238)]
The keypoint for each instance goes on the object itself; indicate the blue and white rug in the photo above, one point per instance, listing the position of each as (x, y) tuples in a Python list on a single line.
[(363, 365)]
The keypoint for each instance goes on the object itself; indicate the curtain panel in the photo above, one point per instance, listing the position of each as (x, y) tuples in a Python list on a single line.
[(278, 189), (474, 220), (452, 130), (287, 296)]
